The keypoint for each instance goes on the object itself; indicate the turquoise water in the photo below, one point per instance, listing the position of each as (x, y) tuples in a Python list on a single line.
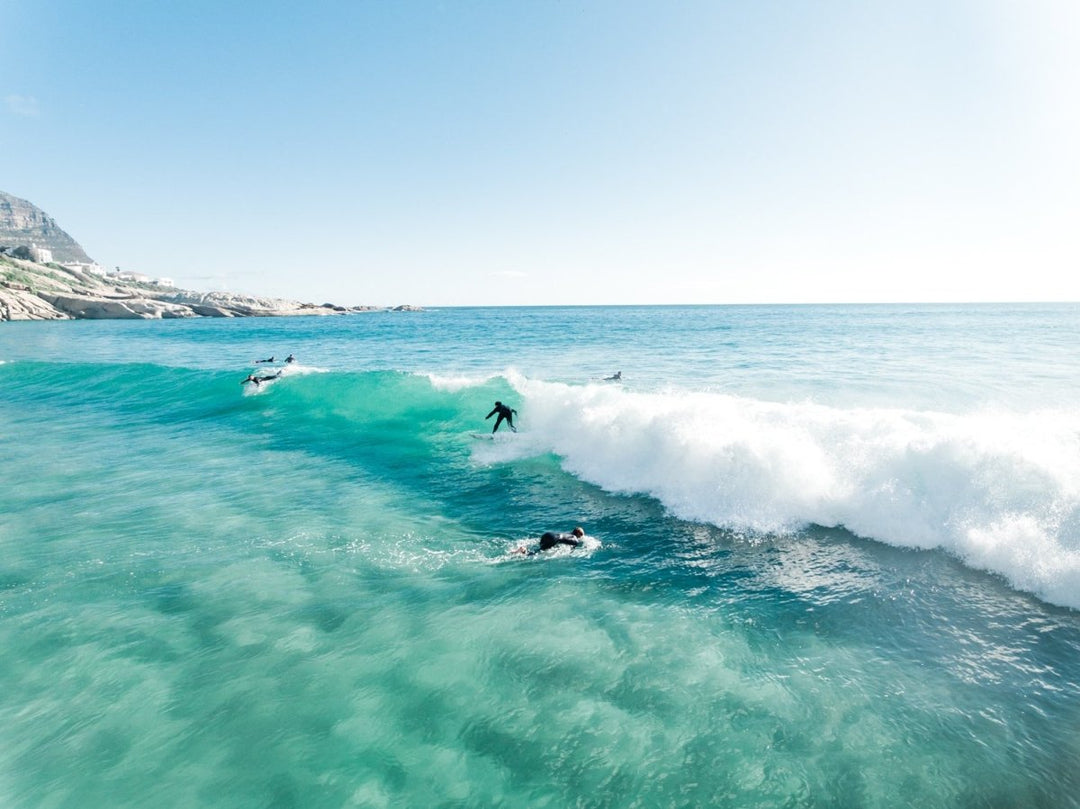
[(833, 560)]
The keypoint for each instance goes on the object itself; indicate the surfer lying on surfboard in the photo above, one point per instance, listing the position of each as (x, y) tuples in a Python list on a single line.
[(549, 540), (260, 379)]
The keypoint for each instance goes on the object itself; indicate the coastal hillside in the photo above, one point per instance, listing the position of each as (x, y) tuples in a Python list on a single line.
[(24, 224), (34, 291), (46, 275)]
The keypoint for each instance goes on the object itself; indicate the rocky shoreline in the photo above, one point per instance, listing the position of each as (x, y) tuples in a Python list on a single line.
[(33, 291)]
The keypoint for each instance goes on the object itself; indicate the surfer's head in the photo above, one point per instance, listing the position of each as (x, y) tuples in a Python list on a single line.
[(579, 532), (498, 404)]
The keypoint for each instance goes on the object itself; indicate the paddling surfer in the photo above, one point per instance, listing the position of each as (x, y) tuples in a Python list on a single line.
[(258, 380), (549, 540)]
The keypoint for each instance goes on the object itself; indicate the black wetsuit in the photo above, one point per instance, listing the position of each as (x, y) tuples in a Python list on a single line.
[(550, 540), (258, 379), (504, 413)]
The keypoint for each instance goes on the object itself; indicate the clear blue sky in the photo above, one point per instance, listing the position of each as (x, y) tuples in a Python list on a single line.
[(520, 152)]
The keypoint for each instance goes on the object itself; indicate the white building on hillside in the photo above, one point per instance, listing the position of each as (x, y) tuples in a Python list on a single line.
[(42, 255)]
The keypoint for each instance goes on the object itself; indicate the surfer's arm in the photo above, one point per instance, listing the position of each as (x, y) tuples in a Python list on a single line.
[(492, 413)]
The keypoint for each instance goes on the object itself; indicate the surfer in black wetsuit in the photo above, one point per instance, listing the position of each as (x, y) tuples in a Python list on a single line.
[(289, 359), (504, 413), (550, 539), (269, 359), (260, 379), (616, 377)]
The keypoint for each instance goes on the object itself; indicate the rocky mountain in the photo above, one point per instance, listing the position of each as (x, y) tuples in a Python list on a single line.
[(23, 224), (68, 285)]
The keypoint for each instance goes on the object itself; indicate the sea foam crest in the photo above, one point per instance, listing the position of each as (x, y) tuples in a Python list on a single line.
[(999, 490), (454, 383)]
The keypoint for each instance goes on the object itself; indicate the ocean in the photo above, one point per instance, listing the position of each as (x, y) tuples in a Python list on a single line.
[(832, 559)]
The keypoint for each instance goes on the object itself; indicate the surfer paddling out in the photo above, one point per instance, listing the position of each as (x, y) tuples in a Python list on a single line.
[(550, 540), (258, 380)]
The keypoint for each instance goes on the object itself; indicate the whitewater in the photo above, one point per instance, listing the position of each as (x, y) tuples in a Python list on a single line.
[(832, 559)]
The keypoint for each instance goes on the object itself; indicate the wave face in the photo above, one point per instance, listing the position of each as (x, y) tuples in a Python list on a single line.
[(998, 489)]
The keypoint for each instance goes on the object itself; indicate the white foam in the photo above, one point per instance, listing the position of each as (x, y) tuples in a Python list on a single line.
[(1001, 490), (455, 383), (296, 369), (256, 390)]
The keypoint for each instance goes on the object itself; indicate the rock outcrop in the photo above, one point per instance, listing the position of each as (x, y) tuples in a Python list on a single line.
[(32, 291), (24, 224)]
